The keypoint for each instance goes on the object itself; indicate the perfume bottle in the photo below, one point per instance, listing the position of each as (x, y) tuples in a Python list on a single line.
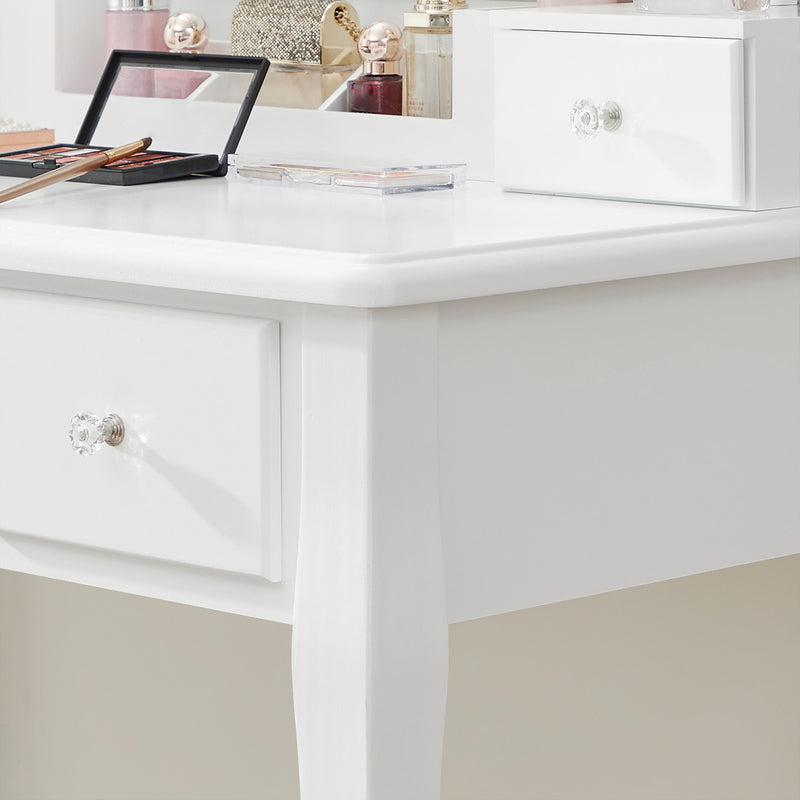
[(135, 25), (428, 32), (185, 32), (379, 89)]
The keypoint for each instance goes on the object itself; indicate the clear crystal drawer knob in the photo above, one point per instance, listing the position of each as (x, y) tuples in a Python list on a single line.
[(588, 118), (88, 433)]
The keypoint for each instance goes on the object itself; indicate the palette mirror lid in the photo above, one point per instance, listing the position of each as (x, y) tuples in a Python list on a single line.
[(186, 102)]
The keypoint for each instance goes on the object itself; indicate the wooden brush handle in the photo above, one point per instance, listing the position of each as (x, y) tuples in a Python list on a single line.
[(76, 168)]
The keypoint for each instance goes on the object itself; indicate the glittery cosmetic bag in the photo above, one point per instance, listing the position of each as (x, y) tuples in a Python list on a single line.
[(311, 46)]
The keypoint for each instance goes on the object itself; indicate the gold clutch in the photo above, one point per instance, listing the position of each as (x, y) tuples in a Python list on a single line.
[(311, 47)]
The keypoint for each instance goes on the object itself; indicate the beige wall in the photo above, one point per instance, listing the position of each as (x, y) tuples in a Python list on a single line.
[(688, 689)]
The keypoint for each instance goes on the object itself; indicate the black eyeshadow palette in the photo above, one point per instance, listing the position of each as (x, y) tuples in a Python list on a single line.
[(179, 95), (147, 167)]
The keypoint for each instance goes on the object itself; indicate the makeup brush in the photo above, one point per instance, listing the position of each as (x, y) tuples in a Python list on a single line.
[(76, 168)]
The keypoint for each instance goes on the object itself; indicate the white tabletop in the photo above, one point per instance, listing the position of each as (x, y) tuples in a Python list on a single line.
[(345, 249)]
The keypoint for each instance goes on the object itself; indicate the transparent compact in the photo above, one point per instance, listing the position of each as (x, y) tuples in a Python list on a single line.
[(193, 106), (371, 180)]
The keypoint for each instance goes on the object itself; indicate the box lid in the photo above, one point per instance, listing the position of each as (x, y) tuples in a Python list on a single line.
[(625, 18), (185, 102)]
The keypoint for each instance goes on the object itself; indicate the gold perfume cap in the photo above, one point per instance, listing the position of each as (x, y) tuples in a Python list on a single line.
[(424, 6), (186, 32), (380, 46), (432, 13)]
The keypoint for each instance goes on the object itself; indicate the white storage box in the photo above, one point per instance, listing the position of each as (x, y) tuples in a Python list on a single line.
[(610, 102)]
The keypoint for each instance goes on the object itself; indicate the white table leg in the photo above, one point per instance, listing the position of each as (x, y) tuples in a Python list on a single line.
[(369, 647)]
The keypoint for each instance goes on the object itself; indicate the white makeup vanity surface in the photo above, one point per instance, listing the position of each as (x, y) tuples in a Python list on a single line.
[(369, 417)]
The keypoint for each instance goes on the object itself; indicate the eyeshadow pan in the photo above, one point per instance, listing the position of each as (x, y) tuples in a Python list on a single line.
[(36, 155), (76, 155), (83, 151), (140, 158), (123, 165)]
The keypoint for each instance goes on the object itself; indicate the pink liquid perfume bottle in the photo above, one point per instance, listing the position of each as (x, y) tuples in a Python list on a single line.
[(379, 90), (135, 25)]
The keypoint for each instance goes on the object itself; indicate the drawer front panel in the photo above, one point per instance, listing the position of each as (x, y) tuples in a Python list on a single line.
[(680, 137), (196, 479)]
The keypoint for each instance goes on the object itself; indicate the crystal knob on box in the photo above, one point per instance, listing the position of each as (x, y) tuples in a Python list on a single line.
[(588, 118), (88, 432)]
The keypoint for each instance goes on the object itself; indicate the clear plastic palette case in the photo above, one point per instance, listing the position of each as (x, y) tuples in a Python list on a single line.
[(357, 178)]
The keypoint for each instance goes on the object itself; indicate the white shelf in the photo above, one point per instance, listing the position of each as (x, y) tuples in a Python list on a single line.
[(62, 96), (54, 89)]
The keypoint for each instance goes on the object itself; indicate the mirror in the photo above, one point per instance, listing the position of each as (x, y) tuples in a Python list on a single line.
[(189, 103)]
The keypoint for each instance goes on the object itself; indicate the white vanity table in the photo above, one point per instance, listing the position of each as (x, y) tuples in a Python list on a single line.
[(371, 417)]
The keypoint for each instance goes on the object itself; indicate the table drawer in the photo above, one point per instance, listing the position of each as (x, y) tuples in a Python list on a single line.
[(680, 134), (196, 479)]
